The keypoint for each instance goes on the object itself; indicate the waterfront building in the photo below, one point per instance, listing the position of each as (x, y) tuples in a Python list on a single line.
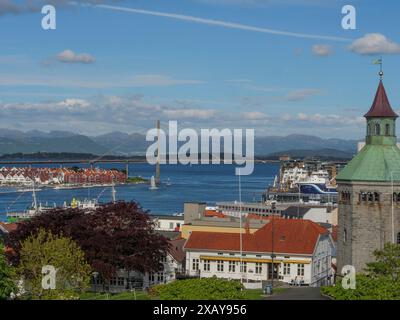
[(369, 189), (300, 251)]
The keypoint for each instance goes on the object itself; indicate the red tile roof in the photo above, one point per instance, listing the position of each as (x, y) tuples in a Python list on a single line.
[(381, 106), (176, 249), (290, 236), (8, 227)]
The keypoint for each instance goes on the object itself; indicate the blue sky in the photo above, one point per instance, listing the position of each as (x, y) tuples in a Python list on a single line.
[(106, 68)]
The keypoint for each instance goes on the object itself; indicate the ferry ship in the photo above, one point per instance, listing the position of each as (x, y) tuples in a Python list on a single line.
[(300, 184)]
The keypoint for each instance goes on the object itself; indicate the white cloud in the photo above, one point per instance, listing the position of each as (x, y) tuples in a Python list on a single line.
[(69, 56), (74, 103), (374, 43), (302, 94), (80, 81), (157, 80), (189, 113), (254, 115), (322, 50)]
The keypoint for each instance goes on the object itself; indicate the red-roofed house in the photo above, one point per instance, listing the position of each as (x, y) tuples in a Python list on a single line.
[(6, 228), (301, 250)]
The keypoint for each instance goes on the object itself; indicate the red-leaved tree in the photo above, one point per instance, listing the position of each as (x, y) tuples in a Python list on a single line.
[(114, 236)]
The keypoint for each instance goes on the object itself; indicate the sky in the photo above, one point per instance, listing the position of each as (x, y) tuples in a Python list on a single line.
[(278, 66)]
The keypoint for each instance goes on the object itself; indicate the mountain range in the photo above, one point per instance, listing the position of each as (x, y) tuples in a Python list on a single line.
[(120, 143)]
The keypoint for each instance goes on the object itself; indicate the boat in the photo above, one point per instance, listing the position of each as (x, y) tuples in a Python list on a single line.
[(153, 185), (300, 184)]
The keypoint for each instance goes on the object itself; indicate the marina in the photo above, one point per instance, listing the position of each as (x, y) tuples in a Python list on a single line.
[(179, 184)]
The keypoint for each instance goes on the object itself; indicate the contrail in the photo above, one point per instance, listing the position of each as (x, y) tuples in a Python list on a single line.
[(220, 23)]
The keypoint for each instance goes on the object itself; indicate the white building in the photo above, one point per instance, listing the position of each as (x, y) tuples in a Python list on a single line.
[(300, 250), (173, 265), (168, 223)]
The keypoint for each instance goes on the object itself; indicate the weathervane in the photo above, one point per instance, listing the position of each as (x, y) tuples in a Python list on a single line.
[(379, 61)]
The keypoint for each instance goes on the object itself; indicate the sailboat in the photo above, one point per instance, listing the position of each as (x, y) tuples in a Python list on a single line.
[(153, 185)]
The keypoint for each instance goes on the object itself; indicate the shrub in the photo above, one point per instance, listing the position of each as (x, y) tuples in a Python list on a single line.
[(199, 289)]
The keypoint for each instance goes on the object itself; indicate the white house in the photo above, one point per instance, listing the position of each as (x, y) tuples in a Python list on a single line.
[(300, 250), (173, 264), (168, 223)]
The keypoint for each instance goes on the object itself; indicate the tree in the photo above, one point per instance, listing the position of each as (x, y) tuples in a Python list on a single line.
[(7, 273), (387, 262), (45, 249), (114, 236), (381, 279)]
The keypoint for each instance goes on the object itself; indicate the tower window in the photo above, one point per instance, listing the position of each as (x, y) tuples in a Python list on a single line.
[(363, 196), (377, 129), (387, 129)]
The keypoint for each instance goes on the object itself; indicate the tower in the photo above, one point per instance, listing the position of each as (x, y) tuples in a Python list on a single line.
[(369, 189)]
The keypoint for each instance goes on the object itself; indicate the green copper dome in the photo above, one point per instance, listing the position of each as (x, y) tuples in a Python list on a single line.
[(380, 157)]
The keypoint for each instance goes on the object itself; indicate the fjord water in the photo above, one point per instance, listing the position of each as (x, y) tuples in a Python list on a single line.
[(180, 183)]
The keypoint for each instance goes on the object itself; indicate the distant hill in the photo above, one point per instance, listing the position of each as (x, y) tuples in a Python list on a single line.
[(75, 144), (120, 143)]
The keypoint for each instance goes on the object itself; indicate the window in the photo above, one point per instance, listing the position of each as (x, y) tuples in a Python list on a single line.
[(377, 129), (387, 129), (160, 276), (113, 281), (220, 266), (232, 266), (286, 268), (258, 267), (243, 267), (398, 238), (206, 265), (344, 235), (171, 225), (300, 269), (368, 129), (151, 277), (195, 264), (120, 281), (376, 196), (363, 196)]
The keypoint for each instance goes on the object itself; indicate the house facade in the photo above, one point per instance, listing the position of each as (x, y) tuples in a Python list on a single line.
[(288, 250)]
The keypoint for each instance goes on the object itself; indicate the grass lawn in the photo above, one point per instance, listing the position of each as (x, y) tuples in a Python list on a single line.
[(138, 295), (253, 294), (257, 294)]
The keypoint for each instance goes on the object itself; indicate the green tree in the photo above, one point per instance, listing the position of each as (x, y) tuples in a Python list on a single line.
[(381, 280), (43, 249), (387, 262), (7, 273)]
